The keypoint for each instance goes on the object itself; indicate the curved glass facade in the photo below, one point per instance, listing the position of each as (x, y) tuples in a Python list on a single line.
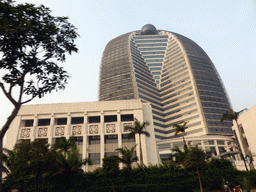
[(171, 72)]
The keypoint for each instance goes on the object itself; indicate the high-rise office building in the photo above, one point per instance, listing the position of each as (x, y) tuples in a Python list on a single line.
[(173, 74)]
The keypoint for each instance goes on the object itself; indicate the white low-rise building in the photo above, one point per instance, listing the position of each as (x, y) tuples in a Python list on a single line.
[(98, 127)]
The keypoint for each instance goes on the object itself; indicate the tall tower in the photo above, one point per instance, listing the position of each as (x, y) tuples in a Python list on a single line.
[(173, 74)]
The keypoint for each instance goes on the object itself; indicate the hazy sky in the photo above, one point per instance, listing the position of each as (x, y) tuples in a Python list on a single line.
[(225, 29)]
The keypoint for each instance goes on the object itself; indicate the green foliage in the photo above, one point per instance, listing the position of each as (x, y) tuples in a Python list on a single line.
[(138, 128), (180, 128), (65, 146), (110, 164), (30, 40), (178, 156), (127, 156), (153, 178), (32, 43)]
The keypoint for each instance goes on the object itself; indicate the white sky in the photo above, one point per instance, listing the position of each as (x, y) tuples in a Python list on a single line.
[(226, 30)]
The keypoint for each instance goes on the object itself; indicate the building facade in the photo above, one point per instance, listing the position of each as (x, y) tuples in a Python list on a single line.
[(97, 127), (245, 132), (155, 76), (173, 74)]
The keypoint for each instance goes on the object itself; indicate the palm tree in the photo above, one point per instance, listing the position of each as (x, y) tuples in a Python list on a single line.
[(71, 163), (232, 115), (65, 145), (195, 159), (178, 156), (181, 128), (138, 128), (127, 156)]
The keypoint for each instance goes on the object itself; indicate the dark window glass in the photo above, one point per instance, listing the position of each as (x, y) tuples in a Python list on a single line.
[(77, 120), (94, 119), (43, 122), (107, 154), (29, 123), (62, 121), (127, 117), (95, 158), (111, 139), (126, 140), (94, 140), (78, 140), (165, 158), (42, 140), (110, 118), (222, 150)]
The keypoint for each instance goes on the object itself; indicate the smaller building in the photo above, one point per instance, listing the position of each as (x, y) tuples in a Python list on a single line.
[(98, 127), (215, 146), (247, 128)]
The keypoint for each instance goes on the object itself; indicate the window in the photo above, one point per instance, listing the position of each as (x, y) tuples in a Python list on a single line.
[(61, 121), (222, 150), (43, 122), (94, 119), (219, 142), (42, 140), (126, 140), (110, 118), (107, 154), (77, 120), (164, 146), (78, 140), (210, 151), (29, 123), (94, 140), (111, 139), (127, 117), (165, 158), (95, 157), (209, 142), (177, 144)]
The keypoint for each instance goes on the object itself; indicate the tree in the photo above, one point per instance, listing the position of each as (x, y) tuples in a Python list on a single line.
[(32, 42), (181, 128), (138, 128), (65, 145), (195, 159), (232, 115), (127, 156), (111, 167), (178, 156), (68, 156), (31, 159), (71, 162)]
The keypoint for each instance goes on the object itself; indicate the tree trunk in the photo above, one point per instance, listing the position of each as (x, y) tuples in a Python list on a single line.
[(113, 187), (2, 133), (184, 142), (1, 163), (199, 177), (141, 158)]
